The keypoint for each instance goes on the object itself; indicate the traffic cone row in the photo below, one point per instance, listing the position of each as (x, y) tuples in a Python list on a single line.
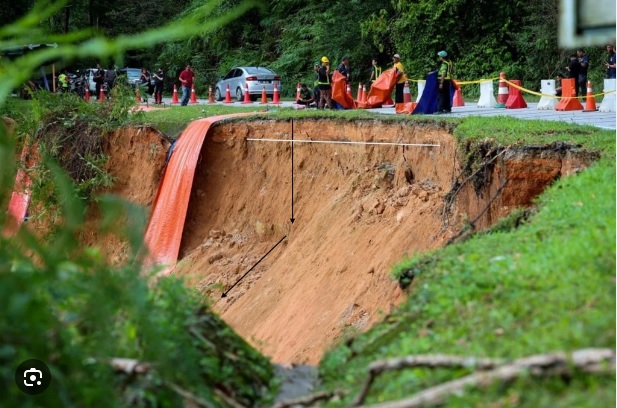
[(502, 95), (227, 95), (174, 98), (247, 97), (193, 95), (406, 93), (276, 98), (264, 96), (590, 103)]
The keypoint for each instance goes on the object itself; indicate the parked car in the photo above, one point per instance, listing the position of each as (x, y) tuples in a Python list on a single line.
[(132, 74), (257, 79)]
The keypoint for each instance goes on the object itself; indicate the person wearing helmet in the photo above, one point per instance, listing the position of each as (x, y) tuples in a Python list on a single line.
[(400, 79), (345, 69), (324, 82), (444, 76)]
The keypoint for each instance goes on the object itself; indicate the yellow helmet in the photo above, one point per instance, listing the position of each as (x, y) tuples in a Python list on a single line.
[(325, 59)]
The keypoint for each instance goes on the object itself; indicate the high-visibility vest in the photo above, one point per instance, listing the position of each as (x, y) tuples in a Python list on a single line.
[(377, 72), (449, 68)]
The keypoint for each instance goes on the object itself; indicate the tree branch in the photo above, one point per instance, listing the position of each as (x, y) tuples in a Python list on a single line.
[(595, 361)]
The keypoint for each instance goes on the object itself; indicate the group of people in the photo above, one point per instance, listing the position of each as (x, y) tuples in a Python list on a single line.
[(321, 96), (578, 67), (152, 84)]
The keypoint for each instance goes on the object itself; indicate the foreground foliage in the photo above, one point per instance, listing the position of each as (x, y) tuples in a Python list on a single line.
[(546, 285), (65, 305)]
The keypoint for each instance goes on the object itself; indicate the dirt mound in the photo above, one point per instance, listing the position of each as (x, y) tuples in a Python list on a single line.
[(359, 209)]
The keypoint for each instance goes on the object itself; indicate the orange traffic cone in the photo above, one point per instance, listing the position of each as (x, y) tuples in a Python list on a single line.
[(264, 96), (406, 94), (247, 97), (590, 104), (360, 92), (502, 95), (137, 95), (193, 95), (276, 98), (569, 101), (101, 95), (348, 91), (364, 94), (210, 96), (174, 98), (458, 97), (87, 95), (227, 95), (298, 92)]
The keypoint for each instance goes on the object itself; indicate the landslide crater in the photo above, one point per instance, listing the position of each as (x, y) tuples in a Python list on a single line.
[(359, 209)]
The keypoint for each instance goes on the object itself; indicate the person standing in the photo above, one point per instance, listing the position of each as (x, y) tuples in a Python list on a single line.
[(610, 63), (144, 84), (375, 70), (64, 80), (401, 78), (325, 87), (110, 78), (159, 77), (316, 93), (345, 69), (574, 70), (583, 59), (186, 79), (444, 77), (99, 78)]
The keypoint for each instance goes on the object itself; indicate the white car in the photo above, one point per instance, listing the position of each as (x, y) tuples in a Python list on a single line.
[(257, 79)]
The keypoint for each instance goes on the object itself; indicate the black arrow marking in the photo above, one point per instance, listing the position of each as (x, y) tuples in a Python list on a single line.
[(252, 267), (292, 219)]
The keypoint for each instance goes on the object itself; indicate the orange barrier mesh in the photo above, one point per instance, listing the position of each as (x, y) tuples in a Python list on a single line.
[(339, 91), (20, 197), (164, 231)]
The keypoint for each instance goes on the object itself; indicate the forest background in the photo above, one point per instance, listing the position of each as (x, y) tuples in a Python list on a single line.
[(483, 37)]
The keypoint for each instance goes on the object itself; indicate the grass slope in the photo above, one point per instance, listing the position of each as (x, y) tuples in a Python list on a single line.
[(548, 285)]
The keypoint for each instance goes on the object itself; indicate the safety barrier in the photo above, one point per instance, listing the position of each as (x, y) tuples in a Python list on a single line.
[(487, 99), (608, 102), (548, 88), (569, 100)]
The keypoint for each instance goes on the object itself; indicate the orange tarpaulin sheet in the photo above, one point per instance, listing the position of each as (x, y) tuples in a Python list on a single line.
[(164, 231), (381, 90), (339, 91)]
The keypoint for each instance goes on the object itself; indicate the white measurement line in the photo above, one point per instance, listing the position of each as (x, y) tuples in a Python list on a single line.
[(343, 142)]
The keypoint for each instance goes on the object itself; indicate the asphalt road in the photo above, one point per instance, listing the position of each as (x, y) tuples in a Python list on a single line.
[(604, 120)]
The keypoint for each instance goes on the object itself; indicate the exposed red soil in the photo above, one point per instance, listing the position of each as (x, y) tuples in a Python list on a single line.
[(359, 210), (136, 157)]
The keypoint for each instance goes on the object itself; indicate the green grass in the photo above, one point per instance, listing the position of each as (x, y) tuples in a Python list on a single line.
[(547, 285)]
